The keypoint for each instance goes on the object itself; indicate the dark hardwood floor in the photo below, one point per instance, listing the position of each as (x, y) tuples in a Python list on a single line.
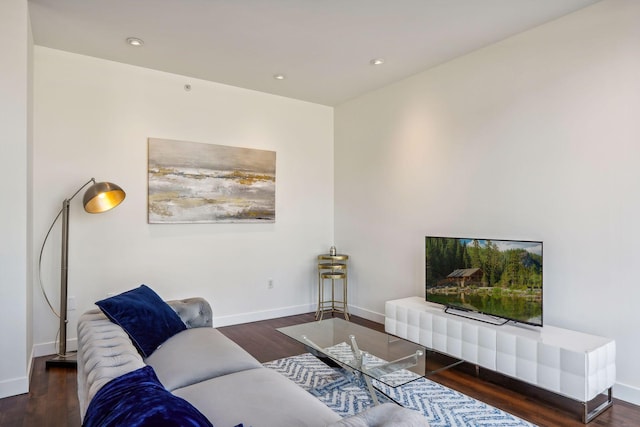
[(53, 400)]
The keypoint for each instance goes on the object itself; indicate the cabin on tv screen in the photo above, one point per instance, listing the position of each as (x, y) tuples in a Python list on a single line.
[(465, 276)]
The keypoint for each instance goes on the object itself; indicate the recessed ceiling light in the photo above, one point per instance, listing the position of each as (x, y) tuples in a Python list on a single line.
[(376, 61), (134, 41), (279, 76)]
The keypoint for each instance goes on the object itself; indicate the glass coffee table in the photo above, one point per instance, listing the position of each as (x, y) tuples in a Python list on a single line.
[(368, 353)]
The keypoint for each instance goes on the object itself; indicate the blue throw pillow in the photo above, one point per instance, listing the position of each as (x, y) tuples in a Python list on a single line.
[(147, 319), (138, 399)]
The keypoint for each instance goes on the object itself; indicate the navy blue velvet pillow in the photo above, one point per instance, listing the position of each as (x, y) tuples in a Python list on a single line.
[(147, 319), (138, 399)]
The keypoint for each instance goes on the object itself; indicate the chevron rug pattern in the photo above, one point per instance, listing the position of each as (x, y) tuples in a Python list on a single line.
[(348, 395)]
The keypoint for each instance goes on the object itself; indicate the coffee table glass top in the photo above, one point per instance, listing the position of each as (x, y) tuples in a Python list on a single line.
[(386, 358)]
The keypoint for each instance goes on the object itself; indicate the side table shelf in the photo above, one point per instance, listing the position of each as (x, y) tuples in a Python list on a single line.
[(333, 268), (569, 363)]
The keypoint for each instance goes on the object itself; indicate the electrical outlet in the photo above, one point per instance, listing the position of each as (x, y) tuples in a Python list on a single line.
[(71, 303), (270, 284)]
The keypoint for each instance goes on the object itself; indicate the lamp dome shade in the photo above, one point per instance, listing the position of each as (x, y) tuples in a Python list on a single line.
[(102, 196)]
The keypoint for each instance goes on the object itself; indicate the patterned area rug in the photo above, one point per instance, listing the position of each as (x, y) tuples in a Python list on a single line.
[(348, 395)]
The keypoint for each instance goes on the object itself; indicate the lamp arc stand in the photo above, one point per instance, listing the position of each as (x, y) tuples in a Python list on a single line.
[(115, 195), (63, 358)]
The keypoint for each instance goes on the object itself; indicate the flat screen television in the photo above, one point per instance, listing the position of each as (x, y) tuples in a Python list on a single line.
[(497, 278)]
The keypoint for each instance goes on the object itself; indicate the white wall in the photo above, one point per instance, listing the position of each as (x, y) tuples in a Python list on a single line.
[(15, 345), (92, 118), (536, 137)]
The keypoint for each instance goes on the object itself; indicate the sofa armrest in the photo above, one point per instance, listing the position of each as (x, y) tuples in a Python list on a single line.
[(194, 312), (105, 351)]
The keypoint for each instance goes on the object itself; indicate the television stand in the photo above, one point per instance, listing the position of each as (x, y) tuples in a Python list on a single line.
[(573, 364), (480, 317)]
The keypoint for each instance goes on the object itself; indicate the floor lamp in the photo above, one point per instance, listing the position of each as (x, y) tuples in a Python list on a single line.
[(100, 197)]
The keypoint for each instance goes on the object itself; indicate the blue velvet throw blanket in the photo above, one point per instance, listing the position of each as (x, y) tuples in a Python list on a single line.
[(138, 399)]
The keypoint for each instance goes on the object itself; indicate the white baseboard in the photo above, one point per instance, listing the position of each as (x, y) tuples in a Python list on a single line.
[(51, 348), (30, 367), (367, 314), (627, 393), (14, 387), (256, 316)]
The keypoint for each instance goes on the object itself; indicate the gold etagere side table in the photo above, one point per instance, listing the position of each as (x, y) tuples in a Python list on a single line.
[(334, 268)]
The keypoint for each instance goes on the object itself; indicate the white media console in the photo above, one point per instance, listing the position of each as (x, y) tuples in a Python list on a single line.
[(572, 364)]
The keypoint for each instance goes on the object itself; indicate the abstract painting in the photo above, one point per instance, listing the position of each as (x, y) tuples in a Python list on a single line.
[(191, 182)]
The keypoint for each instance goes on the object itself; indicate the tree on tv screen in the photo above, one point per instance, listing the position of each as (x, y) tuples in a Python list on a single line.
[(510, 268)]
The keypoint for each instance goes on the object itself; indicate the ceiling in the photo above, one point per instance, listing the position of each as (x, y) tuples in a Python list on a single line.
[(323, 47)]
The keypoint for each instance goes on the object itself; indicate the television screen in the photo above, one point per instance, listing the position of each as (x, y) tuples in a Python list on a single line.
[(501, 278)]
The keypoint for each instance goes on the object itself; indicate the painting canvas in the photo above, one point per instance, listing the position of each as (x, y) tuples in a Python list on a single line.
[(192, 182)]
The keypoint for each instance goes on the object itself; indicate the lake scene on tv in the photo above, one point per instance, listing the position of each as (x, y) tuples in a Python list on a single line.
[(502, 278)]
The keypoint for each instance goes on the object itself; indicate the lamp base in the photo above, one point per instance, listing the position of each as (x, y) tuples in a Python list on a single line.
[(69, 360)]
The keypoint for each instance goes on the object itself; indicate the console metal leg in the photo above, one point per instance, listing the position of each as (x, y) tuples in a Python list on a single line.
[(587, 415)]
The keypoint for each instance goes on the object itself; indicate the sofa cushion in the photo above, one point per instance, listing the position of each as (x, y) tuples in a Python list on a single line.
[(147, 319), (196, 355), (257, 397), (137, 399)]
